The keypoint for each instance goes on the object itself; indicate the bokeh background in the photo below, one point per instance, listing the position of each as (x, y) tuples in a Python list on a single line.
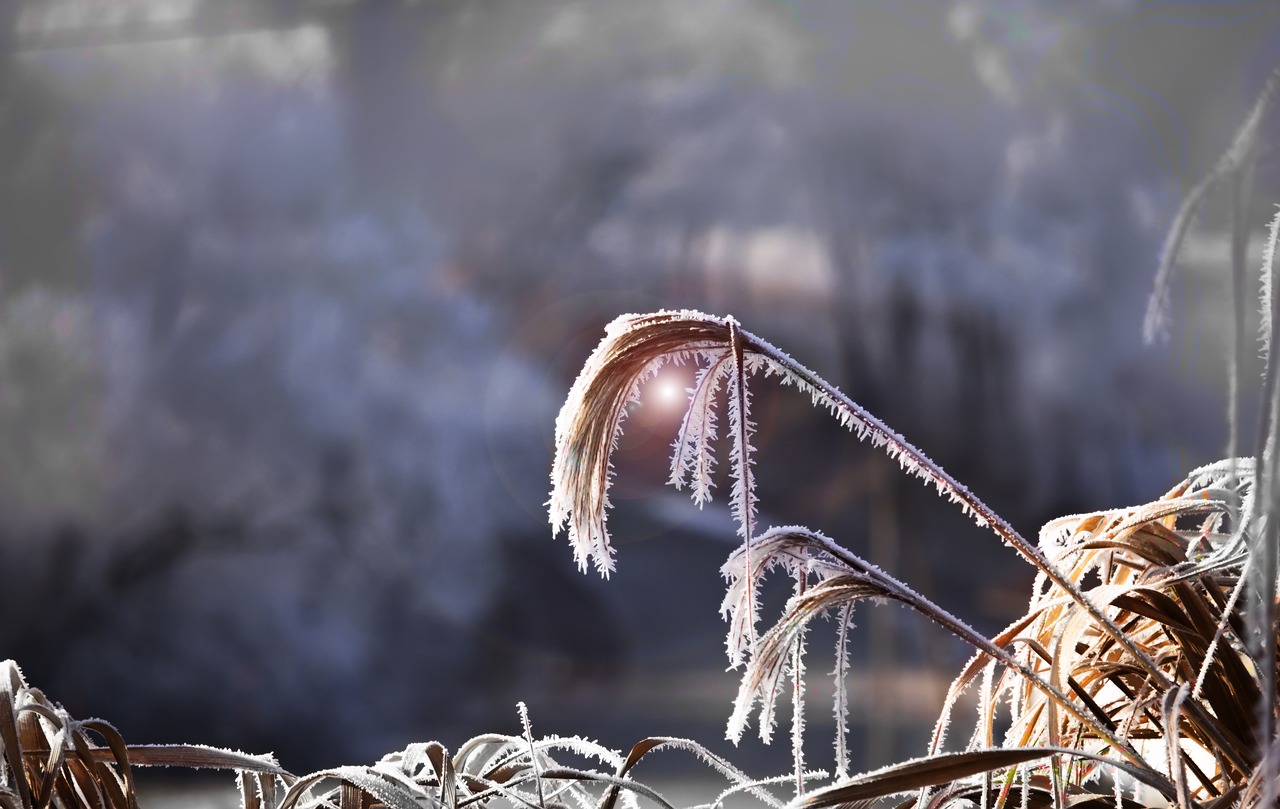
[(292, 290)]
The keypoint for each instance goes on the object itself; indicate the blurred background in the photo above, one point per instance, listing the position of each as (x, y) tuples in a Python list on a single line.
[(291, 292)]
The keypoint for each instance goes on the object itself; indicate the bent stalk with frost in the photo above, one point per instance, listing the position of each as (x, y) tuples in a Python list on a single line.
[(1098, 680)]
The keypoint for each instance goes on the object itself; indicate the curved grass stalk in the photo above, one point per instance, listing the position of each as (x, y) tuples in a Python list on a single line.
[(908, 776), (862, 580), (635, 346), (738, 789), (741, 781)]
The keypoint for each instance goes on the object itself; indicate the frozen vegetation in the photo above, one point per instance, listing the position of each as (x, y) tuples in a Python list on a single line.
[(291, 293)]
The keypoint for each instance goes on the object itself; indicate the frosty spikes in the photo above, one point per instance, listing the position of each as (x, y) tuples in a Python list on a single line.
[(692, 461), (635, 347), (842, 579), (587, 429)]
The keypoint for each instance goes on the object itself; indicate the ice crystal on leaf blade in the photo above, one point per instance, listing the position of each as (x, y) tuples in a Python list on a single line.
[(692, 461)]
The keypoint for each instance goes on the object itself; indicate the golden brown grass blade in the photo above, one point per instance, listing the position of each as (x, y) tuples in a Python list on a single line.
[(1156, 606), (97, 779), (946, 768), (917, 774), (352, 797), (194, 756), (250, 795), (48, 779), (638, 751), (267, 786), (446, 776), (120, 756), (13, 757), (1038, 795)]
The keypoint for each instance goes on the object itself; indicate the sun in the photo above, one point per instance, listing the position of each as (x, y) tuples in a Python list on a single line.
[(669, 392), (666, 394)]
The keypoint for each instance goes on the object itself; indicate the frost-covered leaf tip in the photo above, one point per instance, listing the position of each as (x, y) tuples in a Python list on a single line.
[(633, 349)]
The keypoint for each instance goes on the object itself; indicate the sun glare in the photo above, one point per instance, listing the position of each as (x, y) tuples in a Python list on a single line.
[(666, 393), (669, 392)]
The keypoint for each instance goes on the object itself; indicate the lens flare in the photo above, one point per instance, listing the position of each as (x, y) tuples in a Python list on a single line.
[(666, 393)]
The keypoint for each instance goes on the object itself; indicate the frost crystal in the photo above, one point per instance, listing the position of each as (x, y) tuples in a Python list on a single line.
[(692, 460)]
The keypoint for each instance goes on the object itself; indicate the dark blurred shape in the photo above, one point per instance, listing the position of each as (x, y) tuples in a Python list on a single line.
[(543, 632)]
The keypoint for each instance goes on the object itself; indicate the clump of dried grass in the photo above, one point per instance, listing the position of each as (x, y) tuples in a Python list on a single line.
[(49, 760)]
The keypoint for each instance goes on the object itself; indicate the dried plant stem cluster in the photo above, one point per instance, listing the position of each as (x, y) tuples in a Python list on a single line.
[(48, 759)]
